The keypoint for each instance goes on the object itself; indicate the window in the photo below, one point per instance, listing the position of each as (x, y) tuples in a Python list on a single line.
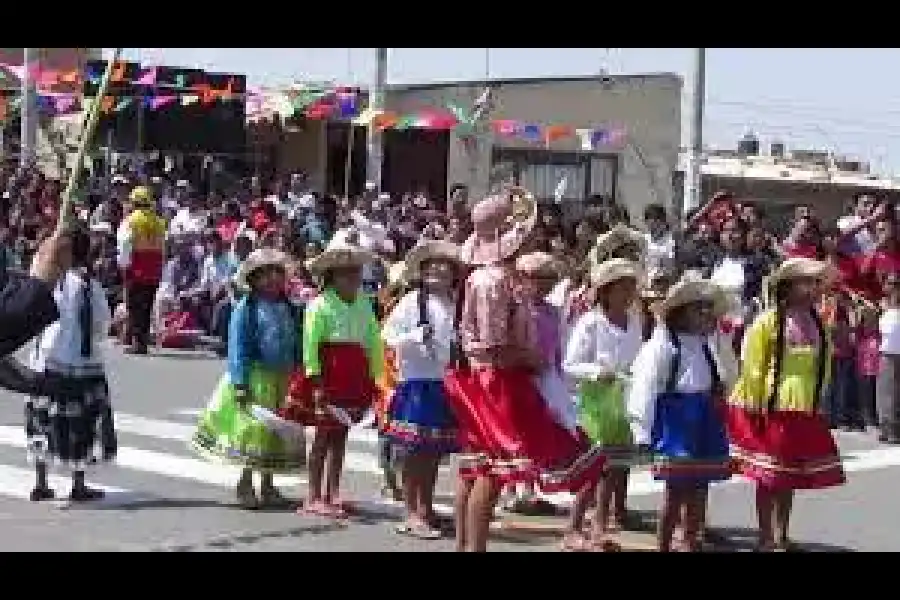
[(541, 171)]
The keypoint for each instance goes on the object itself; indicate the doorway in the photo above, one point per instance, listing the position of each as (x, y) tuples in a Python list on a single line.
[(338, 135)]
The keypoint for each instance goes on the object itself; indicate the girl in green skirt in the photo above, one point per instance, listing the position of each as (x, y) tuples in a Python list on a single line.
[(602, 345), (262, 351)]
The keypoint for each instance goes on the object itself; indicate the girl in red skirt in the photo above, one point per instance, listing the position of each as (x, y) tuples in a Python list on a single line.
[(342, 359), (778, 436), (505, 424)]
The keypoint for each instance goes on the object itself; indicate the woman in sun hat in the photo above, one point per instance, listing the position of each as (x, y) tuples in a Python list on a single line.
[(779, 438), (601, 348), (421, 331), (619, 242), (674, 404), (505, 424), (343, 358), (262, 351)]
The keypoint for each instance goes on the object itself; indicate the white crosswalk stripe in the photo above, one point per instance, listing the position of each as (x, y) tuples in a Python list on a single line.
[(178, 463)]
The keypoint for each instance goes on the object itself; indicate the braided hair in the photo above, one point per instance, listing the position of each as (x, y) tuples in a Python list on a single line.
[(782, 290)]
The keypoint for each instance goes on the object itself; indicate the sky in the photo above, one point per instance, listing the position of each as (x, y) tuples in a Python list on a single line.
[(839, 99)]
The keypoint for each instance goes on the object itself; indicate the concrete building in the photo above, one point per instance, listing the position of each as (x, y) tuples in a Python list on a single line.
[(646, 107), (780, 180)]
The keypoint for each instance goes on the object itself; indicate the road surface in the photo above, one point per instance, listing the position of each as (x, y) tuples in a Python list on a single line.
[(160, 497)]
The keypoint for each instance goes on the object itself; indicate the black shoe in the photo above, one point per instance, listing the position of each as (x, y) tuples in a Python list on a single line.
[(39, 494), (85, 494)]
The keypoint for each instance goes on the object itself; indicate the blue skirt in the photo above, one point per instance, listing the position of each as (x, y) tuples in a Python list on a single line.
[(419, 418), (689, 440)]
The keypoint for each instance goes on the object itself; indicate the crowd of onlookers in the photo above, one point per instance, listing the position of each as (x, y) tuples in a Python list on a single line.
[(211, 231)]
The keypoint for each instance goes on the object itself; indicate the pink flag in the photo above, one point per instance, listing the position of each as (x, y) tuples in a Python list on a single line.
[(63, 104), (158, 102), (148, 77)]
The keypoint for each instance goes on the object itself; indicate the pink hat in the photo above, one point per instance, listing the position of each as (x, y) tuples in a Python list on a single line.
[(501, 224)]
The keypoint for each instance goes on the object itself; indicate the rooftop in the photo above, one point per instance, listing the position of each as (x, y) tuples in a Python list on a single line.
[(609, 79)]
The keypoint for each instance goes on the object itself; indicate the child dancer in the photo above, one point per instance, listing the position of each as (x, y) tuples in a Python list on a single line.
[(505, 423), (860, 411), (420, 329), (262, 351), (73, 427), (538, 273), (602, 346), (342, 359), (674, 405), (778, 436)]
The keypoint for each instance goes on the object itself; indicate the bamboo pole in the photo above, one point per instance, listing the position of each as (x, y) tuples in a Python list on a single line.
[(87, 133)]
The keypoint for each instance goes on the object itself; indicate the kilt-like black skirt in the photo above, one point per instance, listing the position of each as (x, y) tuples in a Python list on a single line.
[(74, 430)]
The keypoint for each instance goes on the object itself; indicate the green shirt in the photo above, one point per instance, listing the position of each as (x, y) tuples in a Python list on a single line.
[(329, 319)]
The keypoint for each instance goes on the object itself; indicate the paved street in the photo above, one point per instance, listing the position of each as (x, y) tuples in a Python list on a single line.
[(160, 497)]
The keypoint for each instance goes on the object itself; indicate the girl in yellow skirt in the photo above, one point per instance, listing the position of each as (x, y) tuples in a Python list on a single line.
[(779, 438)]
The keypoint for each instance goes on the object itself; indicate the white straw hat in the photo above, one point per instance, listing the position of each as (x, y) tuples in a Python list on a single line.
[(693, 288), (620, 235), (613, 270), (426, 251), (258, 259), (342, 251)]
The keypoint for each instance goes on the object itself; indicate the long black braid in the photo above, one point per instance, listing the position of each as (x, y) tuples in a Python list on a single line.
[(781, 296)]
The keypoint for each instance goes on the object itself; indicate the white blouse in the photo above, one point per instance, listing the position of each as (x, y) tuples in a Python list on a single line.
[(598, 348), (650, 374), (58, 347), (403, 333)]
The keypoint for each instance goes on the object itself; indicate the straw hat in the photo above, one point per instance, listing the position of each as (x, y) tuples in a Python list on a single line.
[(425, 251), (613, 270), (395, 275), (258, 259), (511, 215), (141, 196), (801, 268), (614, 239), (342, 251), (538, 264), (692, 287)]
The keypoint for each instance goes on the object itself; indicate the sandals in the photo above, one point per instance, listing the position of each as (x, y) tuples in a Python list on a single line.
[(420, 531), (314, 508), (604, 545)]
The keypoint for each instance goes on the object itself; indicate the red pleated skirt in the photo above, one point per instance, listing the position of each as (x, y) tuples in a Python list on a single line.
[(509, 433), (345, 383), (784, 450)]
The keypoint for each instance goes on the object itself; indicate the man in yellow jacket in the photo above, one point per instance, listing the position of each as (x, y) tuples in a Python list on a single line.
[(141, 248)]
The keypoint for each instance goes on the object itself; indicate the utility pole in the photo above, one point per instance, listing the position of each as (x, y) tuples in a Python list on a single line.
[(693, 188), (374, 140), (28, 111)]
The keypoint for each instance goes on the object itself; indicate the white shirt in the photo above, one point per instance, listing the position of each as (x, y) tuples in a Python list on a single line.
[(187, 221), (650, 374), (660, 253), (889, 324), (215, 271), (58, 347), (598, 348), (863, 237), (402, 332)]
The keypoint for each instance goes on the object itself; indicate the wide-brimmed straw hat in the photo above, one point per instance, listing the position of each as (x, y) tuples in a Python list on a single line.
[(502, 223), (801, 268), (614, 239), (538, 264), (256, 260), (692, 287), (613, 270), (342, 251), (428, 250)]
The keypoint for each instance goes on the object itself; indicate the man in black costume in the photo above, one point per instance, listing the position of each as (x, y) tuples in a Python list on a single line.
[(26, 308)]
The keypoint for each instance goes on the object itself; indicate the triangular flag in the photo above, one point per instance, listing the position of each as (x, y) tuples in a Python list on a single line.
[(586, 139), (181, 80), (123, 104), (189, 99), (72, 77), (158, 102), (107, 104), (366, 117)]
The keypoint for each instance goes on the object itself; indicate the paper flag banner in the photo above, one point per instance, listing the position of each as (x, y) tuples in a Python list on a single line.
[(181, 80), (63, 104), (118, 72), (366, 117), (71, 77), (505, 127), (584, 136), (189, 99), (553, 133), (107, 103), (531, 132), (123, 104)]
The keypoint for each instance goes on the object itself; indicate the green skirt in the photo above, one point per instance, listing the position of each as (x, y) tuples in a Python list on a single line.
[(229, 433), (602, 416)]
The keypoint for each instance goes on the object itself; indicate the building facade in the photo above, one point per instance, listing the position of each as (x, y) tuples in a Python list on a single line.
[(647, 108)]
